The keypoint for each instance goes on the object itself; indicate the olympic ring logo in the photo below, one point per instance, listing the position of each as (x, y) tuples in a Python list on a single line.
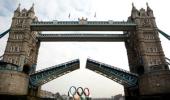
[(79, 91)]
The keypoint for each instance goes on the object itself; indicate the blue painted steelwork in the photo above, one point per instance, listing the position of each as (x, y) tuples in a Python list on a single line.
[(83, 37), (168, 60), (43, 76), (1, 57), (4, 33), (8, 66), (83, 25), (110, 22), (164, 34), (121, 76)]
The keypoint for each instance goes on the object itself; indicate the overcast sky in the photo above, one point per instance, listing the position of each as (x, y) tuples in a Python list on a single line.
[(111, 53)]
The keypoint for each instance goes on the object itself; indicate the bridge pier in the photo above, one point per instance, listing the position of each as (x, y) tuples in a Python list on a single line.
[(34, 93), (131, 91), (14, 84), (152, 86), (155, 83)]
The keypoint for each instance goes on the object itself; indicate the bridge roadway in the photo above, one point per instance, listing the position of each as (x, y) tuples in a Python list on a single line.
[(83, 37), (123, 77), (83, 25), (45, 75)]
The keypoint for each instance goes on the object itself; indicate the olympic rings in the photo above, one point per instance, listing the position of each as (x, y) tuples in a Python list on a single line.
[(79, 91), (74, 91), (86, 91)]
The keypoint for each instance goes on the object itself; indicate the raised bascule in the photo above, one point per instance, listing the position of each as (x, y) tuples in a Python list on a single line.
[(149, 75)]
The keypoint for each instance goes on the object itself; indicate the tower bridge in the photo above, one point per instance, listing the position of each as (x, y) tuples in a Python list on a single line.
[(149, 75)]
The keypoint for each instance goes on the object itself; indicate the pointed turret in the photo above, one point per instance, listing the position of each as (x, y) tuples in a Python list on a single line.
[(133, 7), (31, 12), (32, 8), (135, 12), (17, 11), (149, 10)]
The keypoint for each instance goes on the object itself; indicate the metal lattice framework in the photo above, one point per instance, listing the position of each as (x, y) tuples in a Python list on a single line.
[(83, 25), (8, 66), (83, 37), (168, 60), (43, 76), (118, 75)]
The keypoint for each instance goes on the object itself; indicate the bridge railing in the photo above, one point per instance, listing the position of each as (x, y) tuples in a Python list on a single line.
[(84, 22)]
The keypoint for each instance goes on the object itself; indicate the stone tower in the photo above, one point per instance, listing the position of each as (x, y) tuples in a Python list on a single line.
[(144, 48), (146, 56), (22, 45)]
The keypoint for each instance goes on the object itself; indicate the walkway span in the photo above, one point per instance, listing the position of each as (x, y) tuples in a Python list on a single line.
[(83, 37), (83, 26)]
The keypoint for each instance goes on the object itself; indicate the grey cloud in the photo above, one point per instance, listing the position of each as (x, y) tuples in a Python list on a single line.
[(7, 7), (80, 5)]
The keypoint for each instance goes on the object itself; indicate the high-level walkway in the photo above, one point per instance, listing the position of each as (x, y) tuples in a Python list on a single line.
[(83, 25), (83, 37)]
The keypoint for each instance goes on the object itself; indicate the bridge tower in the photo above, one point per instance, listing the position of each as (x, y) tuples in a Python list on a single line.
[(145, 54), (21, 51), (22, 45)]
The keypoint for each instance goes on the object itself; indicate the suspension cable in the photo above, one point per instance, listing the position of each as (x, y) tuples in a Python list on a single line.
[(164, 34), (1, 57), (4, 33), (168, 60)]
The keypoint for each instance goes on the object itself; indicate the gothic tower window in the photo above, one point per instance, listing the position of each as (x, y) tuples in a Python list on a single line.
[(13, 61), (10, 60), (16, 49), (151, 50), (20, 36), (16, 36), (28, 52), (11, 49)]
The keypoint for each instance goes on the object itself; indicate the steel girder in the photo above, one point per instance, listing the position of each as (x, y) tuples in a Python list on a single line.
[(118, 75), (82, 26), (43, 76), (83, 37)]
